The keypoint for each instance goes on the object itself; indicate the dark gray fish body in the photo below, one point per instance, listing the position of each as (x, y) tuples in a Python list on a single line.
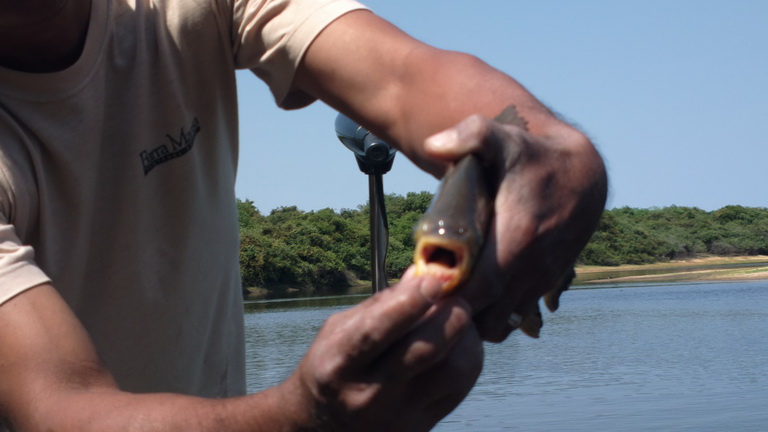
[(449, 235)]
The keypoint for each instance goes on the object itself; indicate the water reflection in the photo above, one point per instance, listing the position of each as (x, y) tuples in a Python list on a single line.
[(302, 294), (659, 357), (305, 302)]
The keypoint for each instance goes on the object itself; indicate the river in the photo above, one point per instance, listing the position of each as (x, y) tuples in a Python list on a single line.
[(671, 357)]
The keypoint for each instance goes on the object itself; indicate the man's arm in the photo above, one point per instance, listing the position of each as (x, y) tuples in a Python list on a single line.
[(550, 181), (405, 90), (51, 377)]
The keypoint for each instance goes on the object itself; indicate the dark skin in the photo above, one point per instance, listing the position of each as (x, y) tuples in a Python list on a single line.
[(406, 350), (550, 180)]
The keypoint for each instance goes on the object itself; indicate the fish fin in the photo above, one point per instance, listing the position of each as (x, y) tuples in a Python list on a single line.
[(552, 298), (532, 323), (511, 116)]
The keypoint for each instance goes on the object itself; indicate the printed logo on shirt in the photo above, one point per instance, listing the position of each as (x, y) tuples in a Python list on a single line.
[(176, 148)]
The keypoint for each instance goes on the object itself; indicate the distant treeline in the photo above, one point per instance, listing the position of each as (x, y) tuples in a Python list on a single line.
[(322, 249), (327, 249), (641, 236)]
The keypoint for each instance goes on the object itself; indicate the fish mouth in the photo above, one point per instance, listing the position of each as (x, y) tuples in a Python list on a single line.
[(444, 259)]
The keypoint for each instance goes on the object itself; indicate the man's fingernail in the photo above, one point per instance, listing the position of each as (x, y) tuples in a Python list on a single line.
[(442, 140)]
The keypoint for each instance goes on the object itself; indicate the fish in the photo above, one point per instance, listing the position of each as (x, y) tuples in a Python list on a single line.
[(452, 231), (449, 235)]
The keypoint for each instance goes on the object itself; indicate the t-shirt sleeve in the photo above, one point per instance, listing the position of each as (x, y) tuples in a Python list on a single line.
[(271, 36), (18, 271)]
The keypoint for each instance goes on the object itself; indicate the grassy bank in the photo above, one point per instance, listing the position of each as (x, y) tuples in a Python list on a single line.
[(704, 268)]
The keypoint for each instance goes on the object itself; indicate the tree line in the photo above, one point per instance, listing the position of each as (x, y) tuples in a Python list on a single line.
[(642, 236), (329, 249)]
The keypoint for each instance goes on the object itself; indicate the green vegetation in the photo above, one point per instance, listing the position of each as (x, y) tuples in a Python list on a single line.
[(326, 249), (642, 236)]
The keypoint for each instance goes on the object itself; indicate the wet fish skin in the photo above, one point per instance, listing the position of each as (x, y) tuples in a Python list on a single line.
[(450, 234)]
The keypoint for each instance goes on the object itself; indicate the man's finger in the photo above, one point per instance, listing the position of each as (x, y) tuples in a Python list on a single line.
[(428, 343), (462, 139), (451, 380), (364, 332)]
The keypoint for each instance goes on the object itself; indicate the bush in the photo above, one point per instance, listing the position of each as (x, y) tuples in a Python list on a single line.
[(321, 249)]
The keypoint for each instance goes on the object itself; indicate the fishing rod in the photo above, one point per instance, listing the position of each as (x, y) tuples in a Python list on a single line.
[(374, 158)]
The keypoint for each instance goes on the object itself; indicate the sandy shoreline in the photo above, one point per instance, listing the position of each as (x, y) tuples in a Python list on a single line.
[(689, 270), (695, 269)]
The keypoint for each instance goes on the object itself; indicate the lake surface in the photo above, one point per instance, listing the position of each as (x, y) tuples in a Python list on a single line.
[(674, 357)]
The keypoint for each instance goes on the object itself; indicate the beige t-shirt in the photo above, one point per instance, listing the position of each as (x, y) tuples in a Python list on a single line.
[(117, 179)]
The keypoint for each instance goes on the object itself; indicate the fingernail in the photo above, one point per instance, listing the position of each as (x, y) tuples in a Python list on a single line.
[(442, 140), (409, 272)]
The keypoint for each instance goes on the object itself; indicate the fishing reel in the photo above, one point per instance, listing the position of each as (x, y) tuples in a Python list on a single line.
[(373, 155)]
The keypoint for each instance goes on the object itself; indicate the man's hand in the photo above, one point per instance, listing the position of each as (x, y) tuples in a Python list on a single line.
[(399, 361), (551, 192)]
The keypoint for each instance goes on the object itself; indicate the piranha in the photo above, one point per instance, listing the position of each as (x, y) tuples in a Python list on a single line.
[(451, 232), (449, 235)]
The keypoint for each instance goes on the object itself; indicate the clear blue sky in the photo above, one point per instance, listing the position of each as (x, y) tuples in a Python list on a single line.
[(673, 92)]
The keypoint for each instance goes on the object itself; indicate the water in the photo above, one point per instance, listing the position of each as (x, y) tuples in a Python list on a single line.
[(673, 357)]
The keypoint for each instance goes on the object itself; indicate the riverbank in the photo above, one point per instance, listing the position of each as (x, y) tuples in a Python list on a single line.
[(701, 269), (707, 268)]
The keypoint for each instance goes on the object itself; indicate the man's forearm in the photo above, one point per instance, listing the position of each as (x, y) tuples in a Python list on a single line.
[(111, 410), (405, 91), (51, 379)]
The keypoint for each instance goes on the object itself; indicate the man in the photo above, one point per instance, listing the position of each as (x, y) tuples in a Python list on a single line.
[(119, 289)]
